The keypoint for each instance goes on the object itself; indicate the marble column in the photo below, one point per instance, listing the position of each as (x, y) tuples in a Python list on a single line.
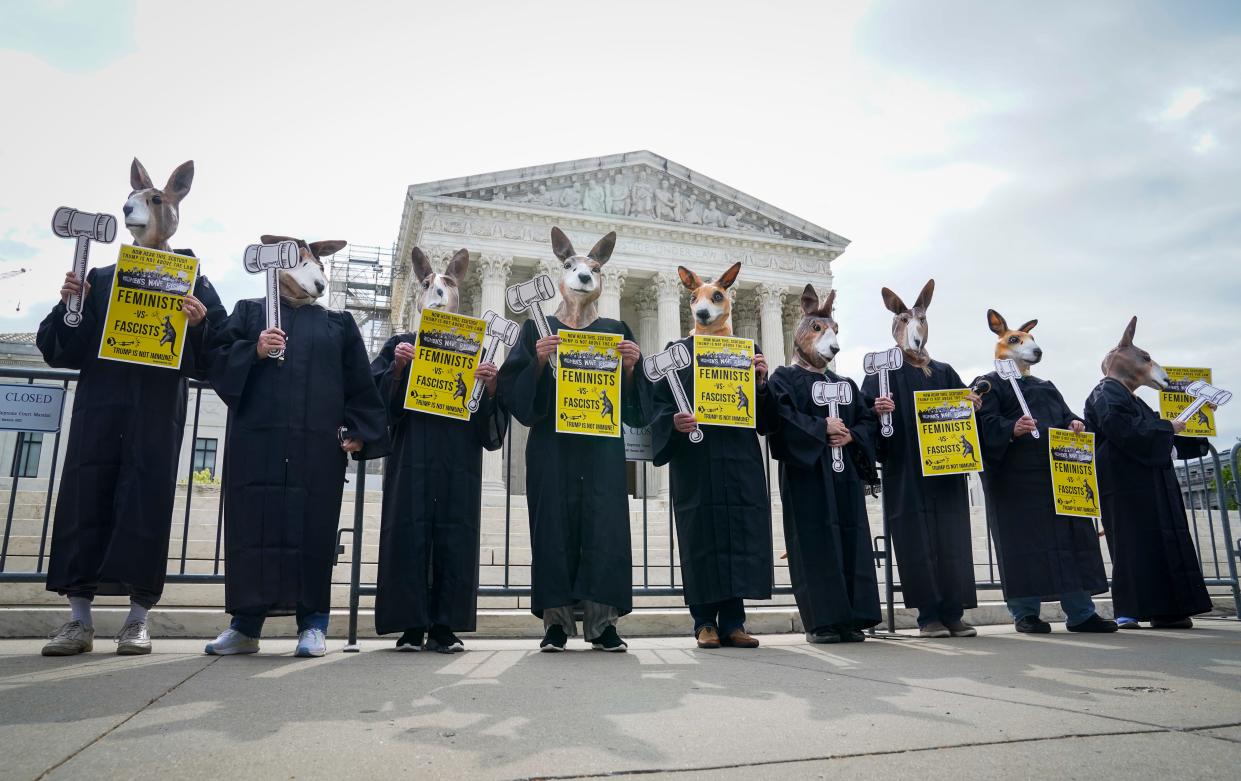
[(792, 315), (668, 288), (745, 315), (770, 302), (646, 302), (613, 281), (492, 272)]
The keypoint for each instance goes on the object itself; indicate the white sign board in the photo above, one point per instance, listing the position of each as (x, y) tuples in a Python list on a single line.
[(31, 407), (639, 444)]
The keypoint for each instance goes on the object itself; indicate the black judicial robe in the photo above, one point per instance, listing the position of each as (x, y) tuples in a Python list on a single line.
[(432, 507), (1042, 554), (719, 494), (928, 517), (1155, 571), (284, 470), (831, 561), (575, 485), (114, 509)]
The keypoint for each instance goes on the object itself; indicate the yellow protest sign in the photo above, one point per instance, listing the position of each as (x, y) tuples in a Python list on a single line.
[(145, 324), (724, 381), (441, 376), (588, 384), (1174, 400), (947, 433), (1073, 480)]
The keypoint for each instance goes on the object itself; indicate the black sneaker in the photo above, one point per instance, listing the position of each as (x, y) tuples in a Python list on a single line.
[(850, 635), (442, 640), (410, 641), (1093, 624), (1032, 625), (609, 641), (554, 639), (1172, 623)]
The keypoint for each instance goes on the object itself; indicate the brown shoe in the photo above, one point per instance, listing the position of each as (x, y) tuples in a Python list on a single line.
[(708, 637), (740, 639)]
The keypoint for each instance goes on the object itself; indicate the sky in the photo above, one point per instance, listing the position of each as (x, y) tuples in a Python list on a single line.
[(1072, 162)]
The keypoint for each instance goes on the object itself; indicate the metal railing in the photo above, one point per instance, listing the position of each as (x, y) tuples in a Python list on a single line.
[(1212, 533)]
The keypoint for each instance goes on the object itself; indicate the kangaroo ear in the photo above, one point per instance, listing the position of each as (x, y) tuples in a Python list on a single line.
[(459, 264), (924, 298), (422, 266), (729, 276), (893, 302), (179, 182), (809, 300), (996, 322), (826, 309), (1027, 327), (561, 246), (603, 248), (323, 248), (1126, 340), (689, 279), (139, 179)]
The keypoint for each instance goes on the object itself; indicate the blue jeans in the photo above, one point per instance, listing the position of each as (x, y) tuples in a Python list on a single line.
[(251, 625), (726, 616), (945, 613), (1077, 606)]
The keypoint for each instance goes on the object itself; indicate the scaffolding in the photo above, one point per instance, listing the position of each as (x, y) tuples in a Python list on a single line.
[(360, 282)]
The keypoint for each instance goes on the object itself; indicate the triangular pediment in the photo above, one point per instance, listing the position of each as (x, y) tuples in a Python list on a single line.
[(635, 185)]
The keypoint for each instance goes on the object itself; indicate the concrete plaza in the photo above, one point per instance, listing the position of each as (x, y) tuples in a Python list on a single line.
[(1146, 704)]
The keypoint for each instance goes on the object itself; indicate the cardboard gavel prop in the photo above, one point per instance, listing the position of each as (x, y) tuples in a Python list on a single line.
[(881, 363), (270, 258), (1007, 369), (499, 329), (530, 295), (832, 395), (664, 366), (69, 223), (1203, 394)]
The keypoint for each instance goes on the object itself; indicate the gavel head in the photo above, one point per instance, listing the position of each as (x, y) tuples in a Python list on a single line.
[(1200, 389), (889, 360), (1007, 369), (264, 257), (824, 393), (501, 327), (660, 365), (521, 296), (69, 223)]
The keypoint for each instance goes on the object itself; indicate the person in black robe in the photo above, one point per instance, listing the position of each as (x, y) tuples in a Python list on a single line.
[(1043, 556), (826, 528), (721, 506), (928, 518), (576, 488), (114, 509), (432, 508), (292, 422), (1156, 575)]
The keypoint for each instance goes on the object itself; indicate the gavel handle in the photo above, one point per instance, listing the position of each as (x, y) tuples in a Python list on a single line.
[(838, 459), (1198, 403), (885, 420), (1021, 399), (540, 320), (273, 309), (678, 393), (489, 354), (73, 307)]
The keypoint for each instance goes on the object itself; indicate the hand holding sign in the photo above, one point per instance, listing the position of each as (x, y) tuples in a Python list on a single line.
[(832, 395), (70, 223), (269, 259), (881, 363), (1007, 369), (665, 365), (499, 329)]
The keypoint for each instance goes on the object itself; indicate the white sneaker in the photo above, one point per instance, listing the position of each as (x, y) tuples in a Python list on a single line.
[(311, 642), (71, 639), (232, 642), (134, 639)]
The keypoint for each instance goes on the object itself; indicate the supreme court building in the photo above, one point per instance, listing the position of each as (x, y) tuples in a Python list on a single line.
[(664, 214)]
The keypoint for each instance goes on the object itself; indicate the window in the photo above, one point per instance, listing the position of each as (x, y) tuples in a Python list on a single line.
[(204, 455), (26, 455)]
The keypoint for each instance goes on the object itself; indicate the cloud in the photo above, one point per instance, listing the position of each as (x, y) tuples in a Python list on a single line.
[(73, 35), (209, 225), (12, 249)]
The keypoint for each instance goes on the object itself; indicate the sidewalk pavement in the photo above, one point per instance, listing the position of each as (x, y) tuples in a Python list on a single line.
[(1144, 704)]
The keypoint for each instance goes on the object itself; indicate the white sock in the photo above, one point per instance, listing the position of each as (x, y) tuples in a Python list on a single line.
[(136, 613), (80, 608)]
